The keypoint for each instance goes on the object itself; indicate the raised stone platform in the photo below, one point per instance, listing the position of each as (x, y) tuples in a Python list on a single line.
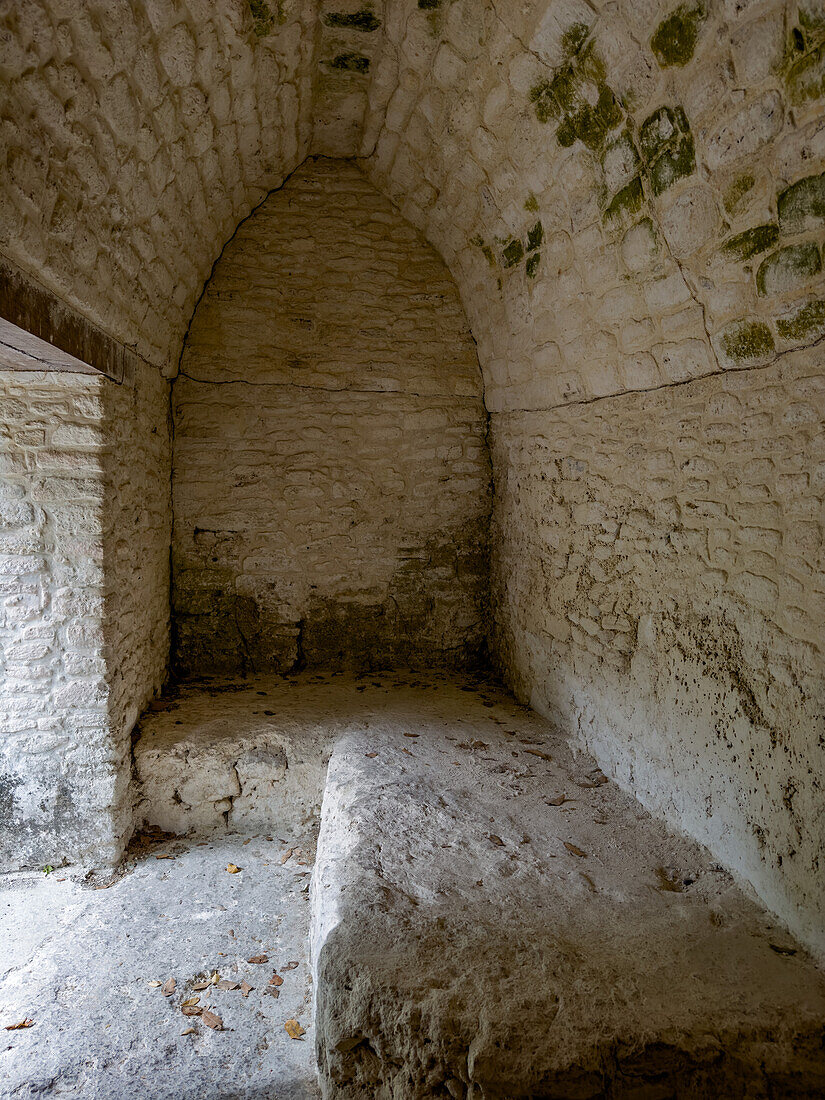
[(491, 918)]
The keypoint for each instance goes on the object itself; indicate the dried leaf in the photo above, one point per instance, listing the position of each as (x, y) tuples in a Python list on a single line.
[(233, 869), (538, 752), (276, 979), (161, 856), (211, 1019), (560, 801), (258, 959), (272, 991), (155, 985), (191, 1010), (200, 986), (497, 840), (169, 987), (19, 1027), (189, 1002), (215, 977), (224, 984), (370, 755), (246, 989), (412, 735), (290, 966), (247, 841), (287, 855), (190, 1031), (576, 851), (294, 1029)]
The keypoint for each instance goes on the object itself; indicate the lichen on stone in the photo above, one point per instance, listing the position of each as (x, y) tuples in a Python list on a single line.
[(807, 321), (802, 205), (535, 236), (750, 243), (788, 268), (363, 20), (350, 63), (513, 253), (747, 341), (674, 41)]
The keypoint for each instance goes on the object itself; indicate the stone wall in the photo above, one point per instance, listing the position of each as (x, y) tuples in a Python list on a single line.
[(630, 196), (331, 477), (84, 530)]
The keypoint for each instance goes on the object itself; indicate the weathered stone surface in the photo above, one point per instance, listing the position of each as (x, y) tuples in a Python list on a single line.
[(524, 929), (331, 358)]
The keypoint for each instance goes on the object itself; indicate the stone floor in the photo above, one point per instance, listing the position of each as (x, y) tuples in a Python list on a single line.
[(490, 918)]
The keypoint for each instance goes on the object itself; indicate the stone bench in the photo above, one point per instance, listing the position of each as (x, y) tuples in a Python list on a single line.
[(475, 936)]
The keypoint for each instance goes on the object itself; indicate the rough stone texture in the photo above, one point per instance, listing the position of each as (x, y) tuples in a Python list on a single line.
[(495, 941), (81, 972), (331, 360), (84, 530)]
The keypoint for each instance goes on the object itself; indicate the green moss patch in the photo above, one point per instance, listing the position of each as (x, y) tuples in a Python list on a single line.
[(802, 205), (429, 5), (513, 253), (532, 265), (535, 236), (363, 20), (804, 323), (626, 203), (806, 78), (674, 41), (263, 18), (751, 242), (667, 147), (350, 63), (788, 268), (747, 341), (737, 191)]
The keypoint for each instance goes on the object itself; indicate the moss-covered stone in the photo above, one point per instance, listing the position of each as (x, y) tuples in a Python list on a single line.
[(737, 190), (486, 251), (626, 203), (807, 322), (806, 78), (747, 341), (263, 18), (561, 97), (674, 41), (574, 38), (750, 243), (661, 130), (531, 204), (364, 20), (350, 63), (429, 5), (532, 266), (802, 205), (513, 253), (672, 165), (535, 236), (788, 268)]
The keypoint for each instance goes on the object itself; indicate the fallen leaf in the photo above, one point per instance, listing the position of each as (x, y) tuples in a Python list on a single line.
[(294, 1029), (289, 966), (200, 986), (276, 979), (560, 801), (407, 751), (191, 1010), (412, 735), (169, 987), (272, 991), (215, 977), (156, 857), (190, 1031), (211, 1019), (155, 985), (18, 1027), (224, 984), (497, 840), (287, 855), (247, 841), (258, 959), (576, 851), (538, 752), (189, 1002), (233, 869), (246, 989), (472, 745), (370, 755)]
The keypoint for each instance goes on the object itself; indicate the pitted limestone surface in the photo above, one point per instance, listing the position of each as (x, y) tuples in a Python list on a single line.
[(491, 918), (77, 959)]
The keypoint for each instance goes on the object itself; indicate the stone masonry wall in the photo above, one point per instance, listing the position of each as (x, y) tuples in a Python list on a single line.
[(631, 197), (331, 477), (84, 529)]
